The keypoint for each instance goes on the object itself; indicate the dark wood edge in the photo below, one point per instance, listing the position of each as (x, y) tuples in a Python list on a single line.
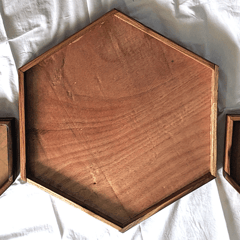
[(10, 150), (230, 119), (231, 181), (22, 137), (228, 144), (66, 42), (6, 186), (170, 199), (139, 218), (234, 117), (163, 39), (74, 202), (10, 123)]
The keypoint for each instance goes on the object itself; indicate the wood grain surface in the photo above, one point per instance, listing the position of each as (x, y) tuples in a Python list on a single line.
[(3, 155), (119, 120), (8, 153)]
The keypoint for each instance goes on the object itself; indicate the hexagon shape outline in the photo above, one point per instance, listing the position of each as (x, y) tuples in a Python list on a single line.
[(169, 199)]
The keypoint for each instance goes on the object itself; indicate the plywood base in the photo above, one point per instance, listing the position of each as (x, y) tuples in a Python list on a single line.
[(118, 120)]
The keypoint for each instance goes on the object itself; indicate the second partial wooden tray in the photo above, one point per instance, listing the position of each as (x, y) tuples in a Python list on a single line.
[(118, 121), (231, 170), (7, 150)]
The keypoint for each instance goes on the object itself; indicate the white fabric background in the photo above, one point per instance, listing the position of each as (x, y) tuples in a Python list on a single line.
[(208, 28)]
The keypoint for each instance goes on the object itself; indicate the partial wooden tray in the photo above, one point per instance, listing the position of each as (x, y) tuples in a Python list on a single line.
[(231, 170), (118, 121), (7, 127)]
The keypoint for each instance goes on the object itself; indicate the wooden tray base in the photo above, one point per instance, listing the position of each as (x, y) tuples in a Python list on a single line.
[(118, 120)]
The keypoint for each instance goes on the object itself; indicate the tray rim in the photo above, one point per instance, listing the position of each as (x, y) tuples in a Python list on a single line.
[(230, 118), (9, 122), (213, 120)]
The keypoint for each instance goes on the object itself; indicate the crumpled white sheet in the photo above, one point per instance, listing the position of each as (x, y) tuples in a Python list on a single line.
[(208, 28)]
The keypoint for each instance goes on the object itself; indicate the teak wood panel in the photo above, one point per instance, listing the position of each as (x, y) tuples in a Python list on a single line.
[(6, 153), (232, 151), (118, 120)]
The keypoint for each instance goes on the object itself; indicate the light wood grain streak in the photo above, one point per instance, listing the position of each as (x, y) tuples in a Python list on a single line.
[(228, 143), (126, 151), (22, 136), (102, 122), (234, 117), (213, 134)]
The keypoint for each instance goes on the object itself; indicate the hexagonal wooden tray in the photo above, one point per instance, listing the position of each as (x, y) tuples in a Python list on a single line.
[(231, 170), (6, 153), (118, 121)]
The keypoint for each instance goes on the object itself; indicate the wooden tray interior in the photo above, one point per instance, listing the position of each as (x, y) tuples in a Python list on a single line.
[(118, 119), (235, 153), (4, 172), (8, 156)]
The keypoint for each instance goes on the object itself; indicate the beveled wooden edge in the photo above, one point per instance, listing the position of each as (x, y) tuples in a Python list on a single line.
[(141, 217), (22, 137), (234, 117), (9, 122), (228, 147), (79, 203), (119, 228), (130, 21), (73, 38), (6, 185), (231, 181), (228, 143), (163, 39), (213, 125), (170, 199)]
